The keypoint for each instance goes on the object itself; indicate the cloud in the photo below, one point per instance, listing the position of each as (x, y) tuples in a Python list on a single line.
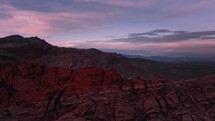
[(175, 43), (180, 32), (199, 5), (76, 15), (76, 18), (156, 32), (172, 36), (205, 48), (208, 38), (189, 48), (30, 23), (178, 43), (39, 5), (150, 33), (123, 3)]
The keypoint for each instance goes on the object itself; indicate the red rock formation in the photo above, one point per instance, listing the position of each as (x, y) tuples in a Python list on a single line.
[(35, 92), (31, 79)]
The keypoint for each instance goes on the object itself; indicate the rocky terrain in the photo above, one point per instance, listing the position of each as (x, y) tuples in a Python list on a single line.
[(41, 82), (31, 92)]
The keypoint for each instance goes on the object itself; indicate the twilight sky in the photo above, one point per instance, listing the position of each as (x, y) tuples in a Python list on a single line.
[(142, 27)]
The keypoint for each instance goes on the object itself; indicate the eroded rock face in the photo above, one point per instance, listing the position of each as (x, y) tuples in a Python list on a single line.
[(27, 80), (34, 92)]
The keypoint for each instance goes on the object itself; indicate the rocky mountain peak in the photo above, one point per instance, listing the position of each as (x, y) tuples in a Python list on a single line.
[(17, 39)]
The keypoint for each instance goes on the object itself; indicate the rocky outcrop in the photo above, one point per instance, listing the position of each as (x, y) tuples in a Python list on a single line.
[(27, 80), (34, 92)]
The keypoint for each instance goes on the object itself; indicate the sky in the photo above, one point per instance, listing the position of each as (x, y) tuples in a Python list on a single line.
[(177, 28)]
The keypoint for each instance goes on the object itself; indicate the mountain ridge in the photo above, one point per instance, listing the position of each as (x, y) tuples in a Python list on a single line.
[(173, 59), (46, 54)]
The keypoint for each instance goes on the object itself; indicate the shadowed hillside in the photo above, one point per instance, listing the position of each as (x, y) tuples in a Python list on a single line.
[(17, 49)]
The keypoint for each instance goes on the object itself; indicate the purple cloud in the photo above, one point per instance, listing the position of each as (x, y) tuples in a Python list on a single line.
[(173, 36), (124, 3), (74, 22), (32, 23)]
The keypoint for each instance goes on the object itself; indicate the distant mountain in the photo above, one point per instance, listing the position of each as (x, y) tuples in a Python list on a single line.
[(17, 49), (173, 59)]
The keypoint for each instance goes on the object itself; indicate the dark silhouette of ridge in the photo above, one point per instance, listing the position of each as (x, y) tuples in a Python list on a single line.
[(19, 39), (25, 48), (17, 49), (174, 59)]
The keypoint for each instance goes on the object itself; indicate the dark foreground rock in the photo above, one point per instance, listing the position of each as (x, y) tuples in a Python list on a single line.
[(32, 92)]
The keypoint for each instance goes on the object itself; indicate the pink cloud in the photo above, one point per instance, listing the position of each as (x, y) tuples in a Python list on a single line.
[(101, 44), (194, 6), (23, 22), (202, 4), (30, 23), (124, 3)]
